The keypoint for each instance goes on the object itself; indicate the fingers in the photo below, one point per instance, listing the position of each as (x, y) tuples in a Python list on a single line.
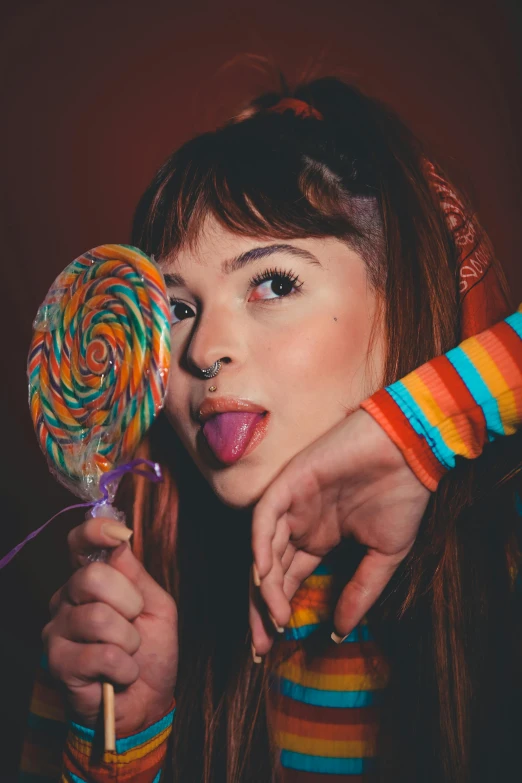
[(101, 582), (95, 622), (265, 617), (76, 664), (271, 587), (57, 599), (364, 588), (98, 533), (94, 534), (268, 512), (156, 601), (261, 636)]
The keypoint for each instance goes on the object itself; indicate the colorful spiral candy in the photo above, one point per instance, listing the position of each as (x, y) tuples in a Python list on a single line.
[(98, 363)]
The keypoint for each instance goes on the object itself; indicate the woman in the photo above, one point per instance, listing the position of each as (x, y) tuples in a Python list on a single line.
[(308, 265)]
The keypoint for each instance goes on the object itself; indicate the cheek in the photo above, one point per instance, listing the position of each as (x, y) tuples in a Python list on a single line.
[(322, 355), (176, 401)]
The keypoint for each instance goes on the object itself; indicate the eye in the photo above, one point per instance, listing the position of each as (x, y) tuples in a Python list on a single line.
[(274, 284), (179, 311)]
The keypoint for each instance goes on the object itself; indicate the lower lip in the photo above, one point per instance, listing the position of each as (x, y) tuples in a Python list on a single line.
[(258, 434)]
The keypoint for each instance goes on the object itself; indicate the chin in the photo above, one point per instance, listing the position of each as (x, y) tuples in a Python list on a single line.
[(237, 498), (238, 491)]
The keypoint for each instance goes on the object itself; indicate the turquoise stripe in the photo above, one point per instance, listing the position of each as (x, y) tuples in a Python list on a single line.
[(324, 698), (420, 423), (322, 764), (302, 632), (75, 778), (157, 777), (322, 570), (478, 390), (515, 321), (361, 633), (128, 743)]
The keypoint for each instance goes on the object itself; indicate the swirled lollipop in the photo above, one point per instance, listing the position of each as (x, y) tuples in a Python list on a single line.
[(98, 367), (98, 363)]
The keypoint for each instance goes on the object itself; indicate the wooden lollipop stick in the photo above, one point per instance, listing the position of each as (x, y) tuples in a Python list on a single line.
[(108, 716)]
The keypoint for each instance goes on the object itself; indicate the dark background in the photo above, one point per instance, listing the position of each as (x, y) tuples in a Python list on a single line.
[(94, 96)]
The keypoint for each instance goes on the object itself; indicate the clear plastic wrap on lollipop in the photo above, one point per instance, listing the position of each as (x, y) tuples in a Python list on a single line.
[(98, 364), (97, 370)]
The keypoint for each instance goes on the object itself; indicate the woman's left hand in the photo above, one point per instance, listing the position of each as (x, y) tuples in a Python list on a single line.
[(352, 481)]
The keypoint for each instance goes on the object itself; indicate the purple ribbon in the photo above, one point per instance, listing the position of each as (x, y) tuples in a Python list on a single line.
[(108, 484)]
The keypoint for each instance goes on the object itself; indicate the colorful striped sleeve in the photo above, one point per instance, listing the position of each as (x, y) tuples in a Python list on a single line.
[(57, 750), (138, 758), (325, 699), (454, 404)]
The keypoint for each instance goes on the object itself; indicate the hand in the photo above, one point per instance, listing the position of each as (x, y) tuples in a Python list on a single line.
[(112, 621), (352, 481)]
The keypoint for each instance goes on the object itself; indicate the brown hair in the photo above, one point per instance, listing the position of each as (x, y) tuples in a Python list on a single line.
[(447, 621)]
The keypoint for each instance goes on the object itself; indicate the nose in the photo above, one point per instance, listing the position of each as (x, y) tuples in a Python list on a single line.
[(217, 336)]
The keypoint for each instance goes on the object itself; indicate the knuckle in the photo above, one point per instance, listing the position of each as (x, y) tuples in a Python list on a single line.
[(93, 576), (55, 660), (55, 602), (293, 581), (359, 589), (111, 656), (98, 615), (139, 604), (135, 641)]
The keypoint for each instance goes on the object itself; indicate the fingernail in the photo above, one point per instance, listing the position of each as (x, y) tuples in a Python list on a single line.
[(279, 628), (338, 639), (255, 575), (116, 530), (255, 657)]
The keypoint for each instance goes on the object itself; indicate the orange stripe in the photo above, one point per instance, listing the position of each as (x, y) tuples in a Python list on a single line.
[(310, 597), (415, 449), (329, 731), (505, 348), (431, 375)]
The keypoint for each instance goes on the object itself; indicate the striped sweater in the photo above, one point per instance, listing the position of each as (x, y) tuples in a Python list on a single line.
[(324, 709)]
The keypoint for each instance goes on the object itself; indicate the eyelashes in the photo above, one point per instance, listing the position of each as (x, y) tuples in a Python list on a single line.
[(285, 278), (284, 283)]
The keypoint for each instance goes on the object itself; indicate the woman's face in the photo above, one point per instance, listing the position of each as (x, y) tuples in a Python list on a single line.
[(290, 321)]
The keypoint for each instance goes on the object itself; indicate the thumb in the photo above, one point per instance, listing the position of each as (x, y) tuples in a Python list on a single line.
[(156, 600), (364, 588)]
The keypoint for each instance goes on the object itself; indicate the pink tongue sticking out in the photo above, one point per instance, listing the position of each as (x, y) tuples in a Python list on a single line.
[(228, 434)]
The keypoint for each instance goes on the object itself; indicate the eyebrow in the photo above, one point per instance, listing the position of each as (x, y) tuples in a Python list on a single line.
[(250, 257)]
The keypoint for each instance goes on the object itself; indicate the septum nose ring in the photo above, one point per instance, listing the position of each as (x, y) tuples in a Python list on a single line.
[(212, 371)]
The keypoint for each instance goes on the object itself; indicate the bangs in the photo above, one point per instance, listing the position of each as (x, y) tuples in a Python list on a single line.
[(255, 180)]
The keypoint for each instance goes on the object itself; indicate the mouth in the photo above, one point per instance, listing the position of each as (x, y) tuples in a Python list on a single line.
[(232, 428)]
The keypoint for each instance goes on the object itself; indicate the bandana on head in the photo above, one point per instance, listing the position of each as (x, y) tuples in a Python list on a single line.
[(483, 301)]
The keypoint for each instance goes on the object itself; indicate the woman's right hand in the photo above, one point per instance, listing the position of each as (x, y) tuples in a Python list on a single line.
[(111, 621)]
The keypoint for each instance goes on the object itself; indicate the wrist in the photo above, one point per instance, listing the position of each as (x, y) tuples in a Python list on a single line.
[(157, 714)]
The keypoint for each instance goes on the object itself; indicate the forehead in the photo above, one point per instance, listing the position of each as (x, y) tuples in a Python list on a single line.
[(208, 246)]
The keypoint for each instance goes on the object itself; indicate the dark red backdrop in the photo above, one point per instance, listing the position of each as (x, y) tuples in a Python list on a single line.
[(95, 96)]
